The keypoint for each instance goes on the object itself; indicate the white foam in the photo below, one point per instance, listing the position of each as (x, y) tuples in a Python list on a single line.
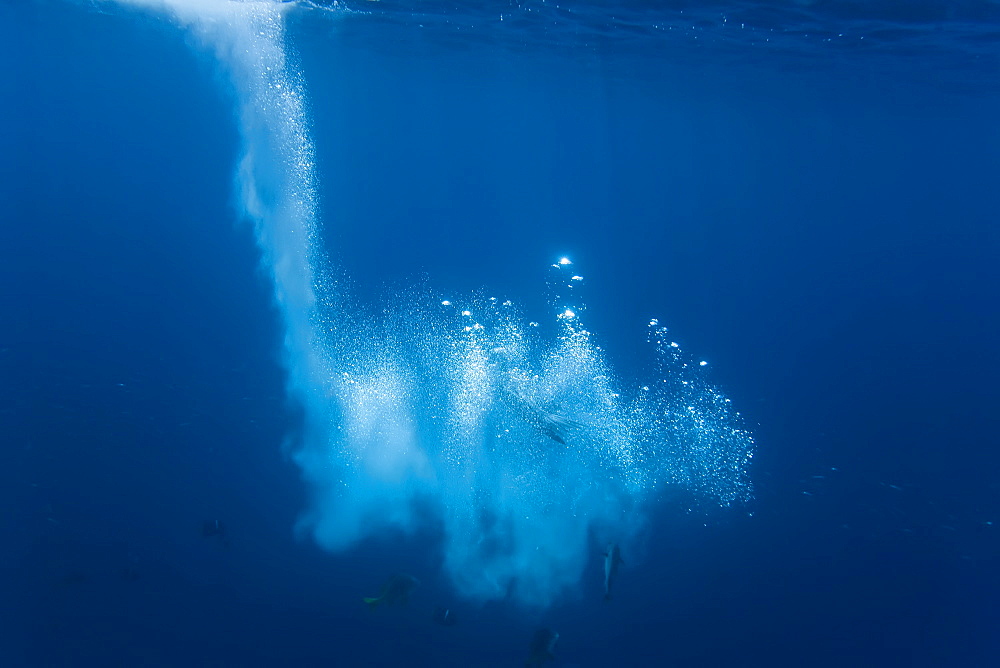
[(523, 447)]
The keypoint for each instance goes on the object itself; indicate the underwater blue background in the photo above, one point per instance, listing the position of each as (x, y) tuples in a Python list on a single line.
[(817, 220)]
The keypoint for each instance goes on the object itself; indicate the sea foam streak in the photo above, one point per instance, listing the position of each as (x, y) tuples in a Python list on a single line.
[(520, 445)]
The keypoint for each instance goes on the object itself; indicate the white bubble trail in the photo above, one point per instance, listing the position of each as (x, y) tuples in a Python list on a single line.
[(456, 411)]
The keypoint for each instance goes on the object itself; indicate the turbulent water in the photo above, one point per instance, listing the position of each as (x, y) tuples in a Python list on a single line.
[(436, 343), (516, 437), (524, 445)]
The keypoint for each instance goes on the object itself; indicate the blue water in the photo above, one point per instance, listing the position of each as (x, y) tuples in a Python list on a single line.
[(297, 269)]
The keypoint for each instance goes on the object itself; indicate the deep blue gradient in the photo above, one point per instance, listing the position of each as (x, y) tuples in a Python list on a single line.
[(817, 221)]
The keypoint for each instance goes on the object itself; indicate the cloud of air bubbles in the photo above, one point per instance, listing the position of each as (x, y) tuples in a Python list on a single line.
[(522, 445)]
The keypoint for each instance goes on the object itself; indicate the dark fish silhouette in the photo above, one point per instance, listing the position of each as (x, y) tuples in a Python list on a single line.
[(612, 560), (444, 616), (547, 422), (396, 590), (213, 528), (542, 648)]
